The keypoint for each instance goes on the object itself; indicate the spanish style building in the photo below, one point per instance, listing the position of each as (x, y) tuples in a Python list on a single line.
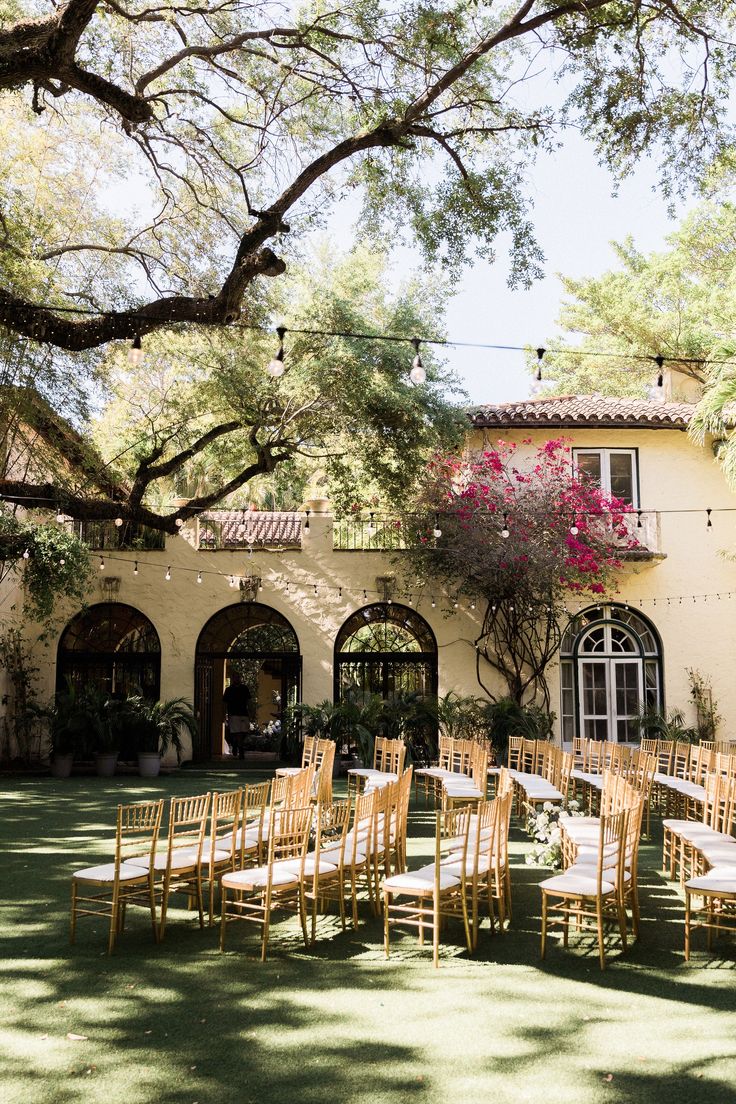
[(303, 605)]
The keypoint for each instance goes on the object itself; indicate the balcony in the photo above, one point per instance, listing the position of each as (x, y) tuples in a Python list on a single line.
[(644, 527), (359, 535), (105, 536)]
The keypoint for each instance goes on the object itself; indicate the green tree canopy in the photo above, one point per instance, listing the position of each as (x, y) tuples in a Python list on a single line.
[(157, 155)]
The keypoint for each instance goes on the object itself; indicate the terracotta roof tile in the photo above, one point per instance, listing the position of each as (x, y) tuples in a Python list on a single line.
[(240, 528), (599, 411)]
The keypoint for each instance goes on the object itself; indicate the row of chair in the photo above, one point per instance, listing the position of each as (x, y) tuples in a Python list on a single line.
[(388, 763), (460, 776), (253, 831)]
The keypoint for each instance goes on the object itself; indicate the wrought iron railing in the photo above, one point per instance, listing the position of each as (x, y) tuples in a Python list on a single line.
[(104, 536), (362, 535)]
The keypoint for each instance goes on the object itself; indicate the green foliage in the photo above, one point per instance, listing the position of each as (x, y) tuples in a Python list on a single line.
[(654, 724), (350, 723), (57, 565), (507, 717), (155, 726), (19, 725)]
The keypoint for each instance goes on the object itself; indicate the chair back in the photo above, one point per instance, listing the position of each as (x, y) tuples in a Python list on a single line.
[(578, 752), (137, 831), (256, 797), (566, 765), (612, 850), (649, 746), (594, 757), (324, 763), (331, 827), (680, 759), (288, 838), (394, 754), (224, 823), (297, 792), (701, 761), (308, 750), (361, 834), (479, 767), (187, 822), (529, 756), (444, 757), (665, 752), (516, 744)]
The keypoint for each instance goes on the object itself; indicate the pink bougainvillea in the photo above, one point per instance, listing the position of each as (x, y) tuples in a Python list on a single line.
[(524, 531)]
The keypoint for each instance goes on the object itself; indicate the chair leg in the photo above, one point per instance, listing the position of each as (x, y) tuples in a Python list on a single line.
[(164, 908), (73, 920), (544, 925), (436, 932), (687, 925), (223, 913), (385, 921), (152, 906), (114, 918), (601, 947)]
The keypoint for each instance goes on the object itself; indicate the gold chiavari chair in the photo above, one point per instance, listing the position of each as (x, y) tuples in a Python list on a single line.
[(117, 884), (421, 899), (577, 895), (324, 764), (359, 850), (649, 746), (578, 752), (253, 895), (711, 843), (717, 913), (253, 831), (178, 869), (471, 788)]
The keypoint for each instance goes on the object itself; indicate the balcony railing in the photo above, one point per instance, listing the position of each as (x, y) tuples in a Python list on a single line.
[(644, 527), (105, 536), (359, 535)]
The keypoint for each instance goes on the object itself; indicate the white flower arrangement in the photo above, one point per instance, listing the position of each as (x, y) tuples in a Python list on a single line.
[(544, 828)]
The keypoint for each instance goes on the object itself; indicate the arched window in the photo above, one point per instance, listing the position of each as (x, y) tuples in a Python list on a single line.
[(259, 644), (610, 671), (384, 649), (112, 646)]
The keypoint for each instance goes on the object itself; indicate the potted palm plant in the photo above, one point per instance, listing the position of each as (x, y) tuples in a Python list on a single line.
[(155, 727), (68, 728)]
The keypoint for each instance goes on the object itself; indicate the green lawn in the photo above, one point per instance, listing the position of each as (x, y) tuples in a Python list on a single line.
[(182, 1023)]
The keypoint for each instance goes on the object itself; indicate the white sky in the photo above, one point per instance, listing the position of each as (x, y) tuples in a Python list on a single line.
[(576, 217)]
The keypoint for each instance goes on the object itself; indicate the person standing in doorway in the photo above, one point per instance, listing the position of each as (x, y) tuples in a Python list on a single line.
[(236, 700)]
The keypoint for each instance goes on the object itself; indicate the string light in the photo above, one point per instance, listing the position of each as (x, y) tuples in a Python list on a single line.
[(505, 530), (275, 366), (102, 564), (62, 561), (434, 604), (306, 523), (371, 524), (135, 352), (418, 374), (135, 568), (540, 356), (574, 528), (178, 522), (167, 576), (118, 522), (26, 555), (232, 581), (436, 532), (709, 524), (659, 361), (59, 516), (199, 576)]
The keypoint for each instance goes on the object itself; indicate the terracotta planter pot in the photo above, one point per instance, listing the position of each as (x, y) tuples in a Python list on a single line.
[(149, 764), (106, 764), (61, 765)]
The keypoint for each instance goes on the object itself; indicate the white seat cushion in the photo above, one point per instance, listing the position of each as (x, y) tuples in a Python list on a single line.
[(453, 864), (182, 858), (258, 876), (325, 866), (106, 873), (420, 881), (718, 853), (575, 884), (220, 855), (592, 870), (721, 879), (701, 833)]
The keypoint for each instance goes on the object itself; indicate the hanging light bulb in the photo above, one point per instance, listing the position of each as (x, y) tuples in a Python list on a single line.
[(199, 576), (135, 352), (179, 522), (232, 581), (505, 530), (472, 604), (574, 528), (417, 374), (437, 532), (118, 522), (62, 561), (26, 555), (275, 366), (167, 576), (102, 564), (135, 568), (710, 523), (433, 602), (59, 516), (306, 523), (659, 361), (538, 373), (371, 524)]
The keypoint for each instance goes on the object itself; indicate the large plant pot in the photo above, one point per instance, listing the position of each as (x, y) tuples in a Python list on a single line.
[(61, 765), (106, 763), (149, 764)]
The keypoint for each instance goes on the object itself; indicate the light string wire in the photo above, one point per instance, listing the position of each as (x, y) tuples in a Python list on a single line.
[(659, 359), (291, 587), (375, 518)]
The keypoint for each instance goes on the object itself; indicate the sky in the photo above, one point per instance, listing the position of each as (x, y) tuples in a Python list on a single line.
[(576, 216)]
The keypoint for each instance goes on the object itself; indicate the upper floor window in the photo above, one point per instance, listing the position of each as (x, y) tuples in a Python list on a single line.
[(614, 470)]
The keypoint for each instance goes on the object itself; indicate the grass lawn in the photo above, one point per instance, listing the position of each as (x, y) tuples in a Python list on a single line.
[(182, 1023)]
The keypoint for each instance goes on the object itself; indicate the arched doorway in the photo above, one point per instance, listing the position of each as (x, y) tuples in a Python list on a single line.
[(610, 672), (261, 645), (385, 649), (113, 647)]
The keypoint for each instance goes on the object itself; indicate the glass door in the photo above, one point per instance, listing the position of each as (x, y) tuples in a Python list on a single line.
[(594, 699), (611, 699), (627, 699)]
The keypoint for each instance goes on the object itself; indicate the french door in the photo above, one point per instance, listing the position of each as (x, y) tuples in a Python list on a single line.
[(611, 698)]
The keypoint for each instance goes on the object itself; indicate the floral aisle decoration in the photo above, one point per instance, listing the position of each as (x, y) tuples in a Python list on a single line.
[(544, 829)]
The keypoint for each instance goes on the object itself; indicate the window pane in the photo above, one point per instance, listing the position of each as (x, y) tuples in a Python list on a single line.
[(589, 463), (622, 475)]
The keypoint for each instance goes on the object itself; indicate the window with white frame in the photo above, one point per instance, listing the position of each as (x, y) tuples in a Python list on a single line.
[(610, 672), (614, 470)]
